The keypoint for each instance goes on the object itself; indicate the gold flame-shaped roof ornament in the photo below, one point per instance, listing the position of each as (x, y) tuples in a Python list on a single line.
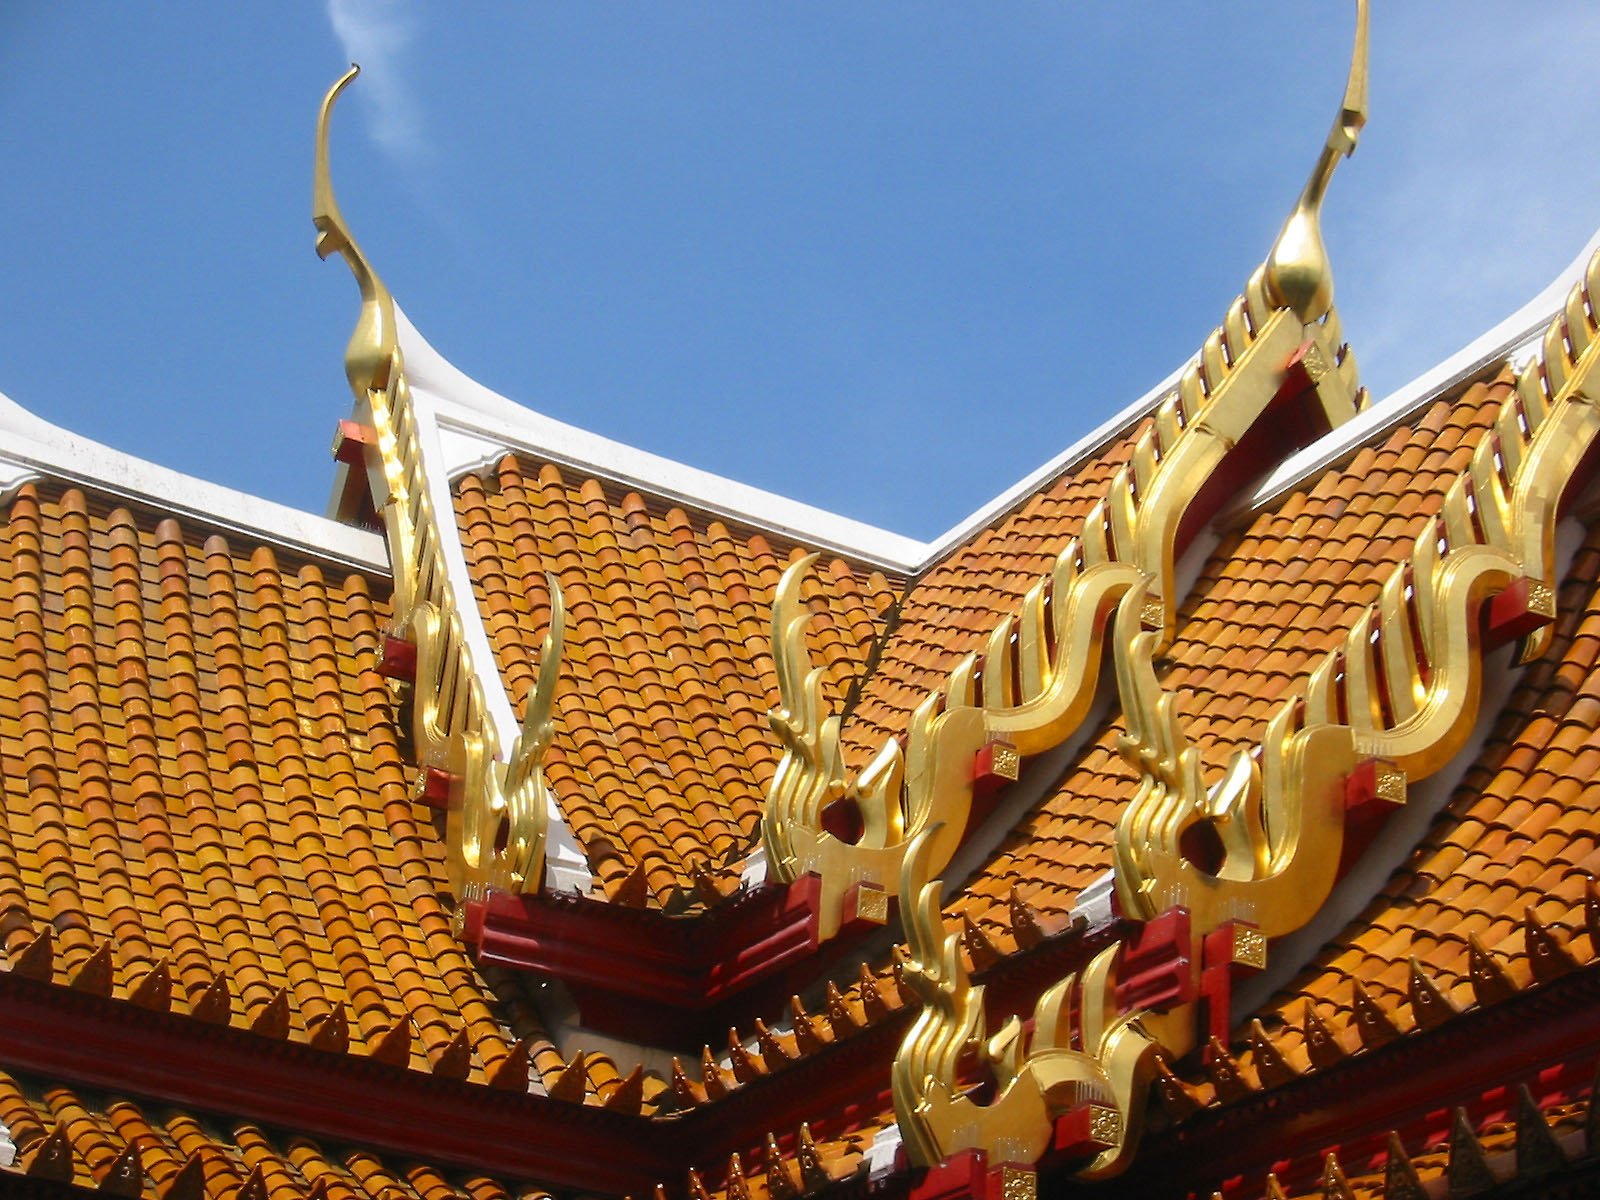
[(498, 808), (1092, 1053), (1035, 680), (374, 346)]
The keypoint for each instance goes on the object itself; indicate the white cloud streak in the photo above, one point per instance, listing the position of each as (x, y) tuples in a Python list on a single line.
[(378, 34)]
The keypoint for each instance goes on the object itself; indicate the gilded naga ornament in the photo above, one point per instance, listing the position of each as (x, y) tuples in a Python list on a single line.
[(1034, 683), (1399, 698), (1396, 701), (498, 807), (1094, 1047)]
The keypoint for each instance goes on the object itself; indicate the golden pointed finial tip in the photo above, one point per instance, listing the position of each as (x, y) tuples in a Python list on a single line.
[(1298, 271)]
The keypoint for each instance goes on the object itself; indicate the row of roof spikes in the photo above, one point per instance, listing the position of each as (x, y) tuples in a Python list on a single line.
[(572, 1081), (876, 996), (1468, 1166)]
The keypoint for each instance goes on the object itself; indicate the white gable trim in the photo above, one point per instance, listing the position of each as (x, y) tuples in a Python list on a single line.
[(30, 443)]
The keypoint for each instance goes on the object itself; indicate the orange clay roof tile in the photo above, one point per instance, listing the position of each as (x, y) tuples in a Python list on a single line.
[(98, 1130), (951, 607), (1245, 638), (1523, 839), (220, 793), (663, 751)]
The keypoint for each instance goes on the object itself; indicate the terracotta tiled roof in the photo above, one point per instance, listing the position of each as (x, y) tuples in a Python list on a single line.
[(130, 1148), (1270, 601), (202, 784), (951, 607), (662, 752), (1496, 1150), (1521, 834)]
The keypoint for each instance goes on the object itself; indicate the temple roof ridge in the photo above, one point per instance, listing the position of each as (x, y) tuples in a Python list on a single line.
[(478, 424), (34, 447), (1511, 339)]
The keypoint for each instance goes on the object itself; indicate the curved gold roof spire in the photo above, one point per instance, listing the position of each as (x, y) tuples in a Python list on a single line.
[(1298, 271), (498, 806), (370, 354)]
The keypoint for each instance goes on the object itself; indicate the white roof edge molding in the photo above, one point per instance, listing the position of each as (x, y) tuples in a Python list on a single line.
[(477, 424), (465, 406), (1074, 455), (31, 442), (1510, 339), (566, 866)]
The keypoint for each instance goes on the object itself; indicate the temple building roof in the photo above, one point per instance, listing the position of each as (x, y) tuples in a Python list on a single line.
[(1213, 811)]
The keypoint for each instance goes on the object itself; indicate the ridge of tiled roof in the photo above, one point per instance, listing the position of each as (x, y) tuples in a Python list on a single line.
[(182, 658), (122, 1146), (479, 426), (1508, 864), (1512, 338), (31, 446), (662, 751), (207, 822), (1340, 534)]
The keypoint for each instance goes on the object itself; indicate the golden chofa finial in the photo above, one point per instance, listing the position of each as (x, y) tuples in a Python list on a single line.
[(368, 358), (1298, 272)]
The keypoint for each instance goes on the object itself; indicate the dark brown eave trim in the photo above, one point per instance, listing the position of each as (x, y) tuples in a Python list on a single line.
[(847, 1081), (15, 1183), (1547, 1037), (653, 979)]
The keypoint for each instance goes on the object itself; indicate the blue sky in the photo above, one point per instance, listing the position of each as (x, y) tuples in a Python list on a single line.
[(882, 257)]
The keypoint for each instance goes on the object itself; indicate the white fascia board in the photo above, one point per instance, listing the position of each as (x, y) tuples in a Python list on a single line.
[(1507, 340), (1073, 456), (565, 863), (464, 406), (478, 423), (30, 442)]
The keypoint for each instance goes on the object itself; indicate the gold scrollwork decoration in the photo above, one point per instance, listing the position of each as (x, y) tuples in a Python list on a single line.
[(1120, 569), (498, 811), (1081, 1051), (1405, 687), (1035, 680)]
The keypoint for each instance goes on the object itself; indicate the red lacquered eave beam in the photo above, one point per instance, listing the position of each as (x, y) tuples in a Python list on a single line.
[(70, 1036), (667, 981)]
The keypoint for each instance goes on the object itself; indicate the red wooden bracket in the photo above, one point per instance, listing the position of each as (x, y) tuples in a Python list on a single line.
[(1304, 370), (1294, 418), (350, 441), (1371, 792), (1154, 971), (1517, 610), (397, 659), (960, 1177), (1375, 787), (864, 905), (670, 981), (1231, 951), (968, 1176), (472, 914), (432, 787), (1083, 1130), (994, 766), (1012, 1181)]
